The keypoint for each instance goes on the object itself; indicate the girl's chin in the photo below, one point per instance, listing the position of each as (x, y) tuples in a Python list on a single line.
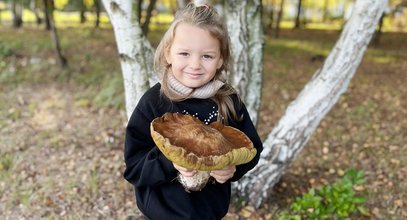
[(193, 85)]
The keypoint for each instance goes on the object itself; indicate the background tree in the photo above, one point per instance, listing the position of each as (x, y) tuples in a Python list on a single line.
[(298, 16), (98, 9), (279, 18), (35, 7), (139, 9), (49, 11), (82, 11), (378, 32), (149, 13), (301, 117), (17, 12), (268, 11)]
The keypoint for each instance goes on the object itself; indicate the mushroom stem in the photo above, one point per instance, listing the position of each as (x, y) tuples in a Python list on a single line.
[(196, 182)]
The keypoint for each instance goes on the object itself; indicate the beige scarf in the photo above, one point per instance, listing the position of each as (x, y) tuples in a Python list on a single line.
[(206, 91)]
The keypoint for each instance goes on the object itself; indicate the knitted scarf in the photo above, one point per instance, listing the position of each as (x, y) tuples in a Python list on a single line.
[(206, 91)]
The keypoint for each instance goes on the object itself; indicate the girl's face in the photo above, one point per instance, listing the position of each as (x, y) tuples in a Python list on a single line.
[(194, 55)]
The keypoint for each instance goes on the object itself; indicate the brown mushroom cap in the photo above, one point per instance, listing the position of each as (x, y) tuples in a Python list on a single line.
[(189, 143)]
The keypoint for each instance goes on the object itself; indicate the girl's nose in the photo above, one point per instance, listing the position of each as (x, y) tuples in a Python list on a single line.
[(195, 63)]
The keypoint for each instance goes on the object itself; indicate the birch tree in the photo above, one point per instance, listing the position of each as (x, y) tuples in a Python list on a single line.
[(302, 115), (246, 35), (312, 104), (135, 51)]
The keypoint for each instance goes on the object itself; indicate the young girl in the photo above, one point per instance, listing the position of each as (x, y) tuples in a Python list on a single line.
[(190, 58)]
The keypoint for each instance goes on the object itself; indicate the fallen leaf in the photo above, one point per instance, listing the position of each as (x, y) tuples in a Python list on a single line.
[(247, 211), (399, 203), (395, 161)]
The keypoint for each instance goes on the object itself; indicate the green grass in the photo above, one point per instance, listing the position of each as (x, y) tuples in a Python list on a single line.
[(332, 201)]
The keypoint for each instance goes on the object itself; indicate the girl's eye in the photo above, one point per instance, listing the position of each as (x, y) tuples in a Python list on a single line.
[(207, 56), (183, 54)]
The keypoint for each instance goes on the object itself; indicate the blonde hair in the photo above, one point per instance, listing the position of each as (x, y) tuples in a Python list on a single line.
[(207, 18)]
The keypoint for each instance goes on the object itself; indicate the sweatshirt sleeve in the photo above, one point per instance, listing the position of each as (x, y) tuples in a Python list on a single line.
[(247, 127), (145, 164)]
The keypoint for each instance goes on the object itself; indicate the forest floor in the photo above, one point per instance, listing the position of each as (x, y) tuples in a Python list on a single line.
[(61, 131)]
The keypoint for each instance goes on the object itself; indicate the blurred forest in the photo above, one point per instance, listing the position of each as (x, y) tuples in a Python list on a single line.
[(62, 114)]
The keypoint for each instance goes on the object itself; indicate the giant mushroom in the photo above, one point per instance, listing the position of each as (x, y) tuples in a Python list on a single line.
[(189, 143)]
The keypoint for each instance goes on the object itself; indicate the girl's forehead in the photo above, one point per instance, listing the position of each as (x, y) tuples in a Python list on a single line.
[(185, 26), (194, 36), (191, 30)]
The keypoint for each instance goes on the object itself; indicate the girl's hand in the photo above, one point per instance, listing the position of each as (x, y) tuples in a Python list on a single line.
[(184, 171), (223, 175)]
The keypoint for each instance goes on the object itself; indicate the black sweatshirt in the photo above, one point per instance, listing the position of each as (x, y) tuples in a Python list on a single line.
[(158, 194)]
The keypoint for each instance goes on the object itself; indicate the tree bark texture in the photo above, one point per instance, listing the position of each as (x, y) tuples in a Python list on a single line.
[(304, 114), (135, 51), (246, 34)]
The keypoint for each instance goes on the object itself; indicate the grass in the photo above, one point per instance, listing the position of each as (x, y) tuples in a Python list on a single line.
[(339, 200), (62, 131)]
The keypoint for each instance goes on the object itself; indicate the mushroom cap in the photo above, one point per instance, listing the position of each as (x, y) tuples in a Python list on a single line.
[(189, 143)]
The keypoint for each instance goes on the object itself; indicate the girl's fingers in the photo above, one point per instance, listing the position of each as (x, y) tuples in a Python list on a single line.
[(223, 175), (229, 170), (184, 171)]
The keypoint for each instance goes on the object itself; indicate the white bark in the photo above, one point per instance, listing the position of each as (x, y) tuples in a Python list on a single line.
[(135, 51), (313, 103), (246, 34)]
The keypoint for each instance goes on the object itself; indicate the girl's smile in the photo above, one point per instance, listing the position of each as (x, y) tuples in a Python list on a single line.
[(194, 75)]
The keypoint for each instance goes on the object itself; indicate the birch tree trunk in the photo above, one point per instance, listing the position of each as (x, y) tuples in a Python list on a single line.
[(135, 51), (313, 103), (246, 35)]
